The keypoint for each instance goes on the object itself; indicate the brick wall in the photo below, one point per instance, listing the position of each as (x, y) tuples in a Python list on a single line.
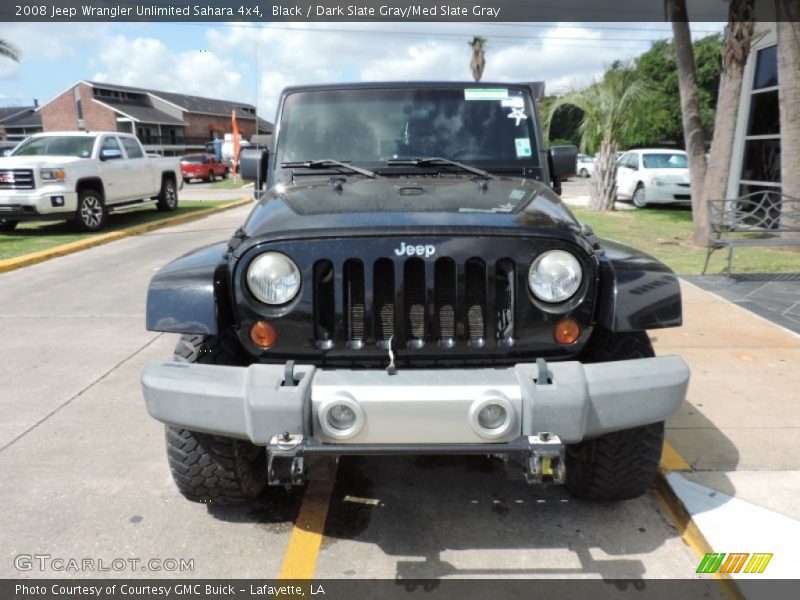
[(200, 125), (60, 113)]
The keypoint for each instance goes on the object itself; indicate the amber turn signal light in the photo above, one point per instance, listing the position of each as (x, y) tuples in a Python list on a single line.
[(567, 331), (263, 334)]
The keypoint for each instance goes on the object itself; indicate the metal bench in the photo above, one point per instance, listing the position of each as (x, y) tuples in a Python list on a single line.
[(757, 219)]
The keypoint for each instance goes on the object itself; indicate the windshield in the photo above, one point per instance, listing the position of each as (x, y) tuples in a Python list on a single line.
[(368, 127), (71, 145), (665, 161)]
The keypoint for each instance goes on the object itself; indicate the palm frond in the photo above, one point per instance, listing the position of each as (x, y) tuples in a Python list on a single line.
[(9, 50)]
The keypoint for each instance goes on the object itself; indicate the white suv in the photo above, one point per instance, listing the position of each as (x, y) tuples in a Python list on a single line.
[(653, 176)]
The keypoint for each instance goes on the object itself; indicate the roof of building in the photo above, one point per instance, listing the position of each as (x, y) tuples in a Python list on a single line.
[(187, 102), (143, 114), (20, 116), (8, 112)]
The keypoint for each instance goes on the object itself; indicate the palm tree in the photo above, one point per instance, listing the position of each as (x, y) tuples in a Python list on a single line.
[(9, 50), (788, 15), (736, 49), (610, 112), (690, 103), (478, 62)]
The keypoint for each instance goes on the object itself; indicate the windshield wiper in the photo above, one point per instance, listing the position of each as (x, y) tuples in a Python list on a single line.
[(436, 160), (327, 162)]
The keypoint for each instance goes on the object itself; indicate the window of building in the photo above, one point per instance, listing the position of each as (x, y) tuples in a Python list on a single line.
[(761, 162)]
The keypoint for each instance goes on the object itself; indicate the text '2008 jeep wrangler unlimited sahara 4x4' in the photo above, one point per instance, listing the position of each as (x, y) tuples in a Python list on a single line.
[(409, 283)]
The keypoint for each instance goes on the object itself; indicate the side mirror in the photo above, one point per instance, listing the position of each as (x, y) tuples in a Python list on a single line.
[(563, 161), (110, 154), (253, 164)]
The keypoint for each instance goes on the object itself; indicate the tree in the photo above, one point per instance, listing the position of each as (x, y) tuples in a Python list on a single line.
[(788, 15), (738, 38), (690, 103), (658, 68), (8, 50), (610, 112), (478, 61)]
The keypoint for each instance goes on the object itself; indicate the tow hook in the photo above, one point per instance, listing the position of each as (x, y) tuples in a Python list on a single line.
[(547, 460), (285, 465)]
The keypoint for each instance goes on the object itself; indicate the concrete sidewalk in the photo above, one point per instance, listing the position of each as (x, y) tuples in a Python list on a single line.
[(739, 429)]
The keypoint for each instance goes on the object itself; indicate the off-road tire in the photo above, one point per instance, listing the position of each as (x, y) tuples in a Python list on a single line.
[(7, 225), (622, 464), (211, 468), (168, 196), (91, 214)]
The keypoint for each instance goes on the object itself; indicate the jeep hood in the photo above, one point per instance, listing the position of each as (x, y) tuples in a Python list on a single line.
[(441, 205)]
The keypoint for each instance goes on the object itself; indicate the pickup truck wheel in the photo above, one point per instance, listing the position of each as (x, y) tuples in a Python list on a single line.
[(226, 173), (621, 464), (210, 468), (211, 177), (168, 196), (6, 225), (91, 213)]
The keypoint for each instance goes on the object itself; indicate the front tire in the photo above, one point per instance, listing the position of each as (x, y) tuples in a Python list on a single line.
[(584, 173), (640, 197), (622, 464), (91, 214), (168, 196), (8, 225), (210, 468)]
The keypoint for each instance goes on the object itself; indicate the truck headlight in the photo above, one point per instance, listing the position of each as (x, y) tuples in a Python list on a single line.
[(555, 276), (52, 174), (273, 278)]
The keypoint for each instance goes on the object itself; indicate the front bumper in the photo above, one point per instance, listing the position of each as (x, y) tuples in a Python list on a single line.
[(668, 194), (32, 204), (415, 408)]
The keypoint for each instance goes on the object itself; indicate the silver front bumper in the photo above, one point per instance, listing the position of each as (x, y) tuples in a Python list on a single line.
[(569, 399)]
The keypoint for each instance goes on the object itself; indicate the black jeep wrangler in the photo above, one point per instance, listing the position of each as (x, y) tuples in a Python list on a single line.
[(409, 282)]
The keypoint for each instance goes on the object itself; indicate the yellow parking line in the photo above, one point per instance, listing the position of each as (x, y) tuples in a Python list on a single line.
[(300, 559)]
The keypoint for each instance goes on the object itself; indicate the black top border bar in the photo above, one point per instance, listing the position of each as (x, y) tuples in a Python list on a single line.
[(258, 11)]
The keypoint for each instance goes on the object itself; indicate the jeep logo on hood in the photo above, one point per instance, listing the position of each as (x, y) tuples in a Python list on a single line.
[(418, 250)]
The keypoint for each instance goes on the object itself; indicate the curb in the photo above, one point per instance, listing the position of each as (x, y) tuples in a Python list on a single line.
[(692, 536), (11, 264)]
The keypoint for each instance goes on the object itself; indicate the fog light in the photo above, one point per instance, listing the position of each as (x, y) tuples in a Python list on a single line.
[(567, 331), (263, 334), (492, 416), (341, 417)]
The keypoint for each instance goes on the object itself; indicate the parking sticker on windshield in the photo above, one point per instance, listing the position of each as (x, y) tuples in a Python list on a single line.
[(486, 94), (514, 102), (516, 194), (523, 147)]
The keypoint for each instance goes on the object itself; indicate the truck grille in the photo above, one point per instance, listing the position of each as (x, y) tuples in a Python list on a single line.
[(16, 179), (415, 302)]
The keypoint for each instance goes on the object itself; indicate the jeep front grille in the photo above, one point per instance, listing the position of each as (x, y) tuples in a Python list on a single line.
[(415, 302), (16, 179)]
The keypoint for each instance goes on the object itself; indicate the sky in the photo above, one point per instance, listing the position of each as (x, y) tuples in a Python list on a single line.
[(252, 62)]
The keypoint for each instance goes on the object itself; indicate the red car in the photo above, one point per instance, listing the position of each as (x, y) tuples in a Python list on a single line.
[(202, 166)]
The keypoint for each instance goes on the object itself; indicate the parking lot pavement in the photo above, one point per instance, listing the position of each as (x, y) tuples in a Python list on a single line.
[(85, 472)]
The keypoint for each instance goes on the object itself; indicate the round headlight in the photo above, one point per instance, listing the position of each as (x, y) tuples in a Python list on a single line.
[(273, 278), (555, 276)]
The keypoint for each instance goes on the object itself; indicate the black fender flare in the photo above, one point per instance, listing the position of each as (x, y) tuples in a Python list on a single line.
[(191, 294), (637, 291)]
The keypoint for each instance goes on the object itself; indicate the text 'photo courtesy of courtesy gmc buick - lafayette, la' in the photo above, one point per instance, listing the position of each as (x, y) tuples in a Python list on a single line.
[(409, 282), (81, 177)]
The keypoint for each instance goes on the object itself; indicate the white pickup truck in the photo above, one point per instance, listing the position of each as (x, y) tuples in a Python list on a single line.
[(81, 177)]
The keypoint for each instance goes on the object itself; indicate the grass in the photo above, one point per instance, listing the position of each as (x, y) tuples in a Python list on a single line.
[(666, 234), (233, 182), (32, 236)]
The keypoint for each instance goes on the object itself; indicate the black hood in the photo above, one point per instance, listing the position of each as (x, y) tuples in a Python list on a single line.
[(424, 205)]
